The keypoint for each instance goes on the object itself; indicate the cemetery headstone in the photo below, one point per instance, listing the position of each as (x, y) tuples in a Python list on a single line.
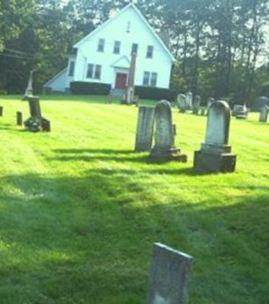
[(215, 154), (196, 104), (264, 114), (144, 131), (202, 111), (1, 111), (19, 118), (169, 276), (181, 103), (36, 122), (164, 148), (260, 103), (189, 100), (240, 111)]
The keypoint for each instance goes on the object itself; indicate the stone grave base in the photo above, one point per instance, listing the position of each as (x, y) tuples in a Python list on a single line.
[(169, 155), (212, 162), (35, 124)]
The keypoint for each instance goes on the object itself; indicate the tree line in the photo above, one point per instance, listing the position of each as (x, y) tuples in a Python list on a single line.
[(218, 44)]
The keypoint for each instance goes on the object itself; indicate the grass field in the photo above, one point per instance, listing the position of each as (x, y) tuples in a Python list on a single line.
[(79, 211)]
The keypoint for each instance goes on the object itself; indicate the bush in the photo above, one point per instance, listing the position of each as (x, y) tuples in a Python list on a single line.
[(87, 88), (155, 93), (3, 92)]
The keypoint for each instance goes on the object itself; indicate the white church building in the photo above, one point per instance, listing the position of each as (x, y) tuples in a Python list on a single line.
[(104, 55)]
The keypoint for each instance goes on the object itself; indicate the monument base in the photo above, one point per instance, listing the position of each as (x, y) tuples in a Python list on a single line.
[(169, 155), (213, 162), (35, 124)]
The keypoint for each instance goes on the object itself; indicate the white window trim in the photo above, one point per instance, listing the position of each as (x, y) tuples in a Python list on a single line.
[(150, 79), (94, 70)]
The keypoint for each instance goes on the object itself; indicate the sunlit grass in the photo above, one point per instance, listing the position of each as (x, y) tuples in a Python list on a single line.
[(79, 211)]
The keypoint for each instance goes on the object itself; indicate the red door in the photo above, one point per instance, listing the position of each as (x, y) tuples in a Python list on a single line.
[(121, 79)]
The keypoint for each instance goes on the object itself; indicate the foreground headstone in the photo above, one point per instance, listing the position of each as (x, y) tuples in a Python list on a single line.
[(215, 154), (169, 276), (264, 114), (164, 148), (240, 111), (36, 122), (144, 131)]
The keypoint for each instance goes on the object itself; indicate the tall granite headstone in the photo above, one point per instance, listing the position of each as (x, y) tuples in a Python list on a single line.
[(169, 276), (144, 131), (29, 88), (164, 148), (215, 153), (264, 114)]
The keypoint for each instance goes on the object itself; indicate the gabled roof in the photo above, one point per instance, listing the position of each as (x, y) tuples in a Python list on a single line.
[(131, 5), (55, 77), (122, 62)]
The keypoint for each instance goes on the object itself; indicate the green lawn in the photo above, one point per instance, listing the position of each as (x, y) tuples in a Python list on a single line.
[(79, 211)]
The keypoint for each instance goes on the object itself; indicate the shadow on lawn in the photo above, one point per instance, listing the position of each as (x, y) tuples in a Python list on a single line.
[(88, 155), (84, 237)]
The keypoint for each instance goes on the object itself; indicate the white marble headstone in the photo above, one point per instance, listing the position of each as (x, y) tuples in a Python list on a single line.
[(216, 132)]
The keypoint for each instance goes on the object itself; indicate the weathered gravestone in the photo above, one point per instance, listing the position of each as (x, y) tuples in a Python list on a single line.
[(196, 104), (189, 99), (215, 154), (164, 148), (181, 103), (264, 114), (169, 276), (240, 111), (260, 103), (144, 131), (36, 122)]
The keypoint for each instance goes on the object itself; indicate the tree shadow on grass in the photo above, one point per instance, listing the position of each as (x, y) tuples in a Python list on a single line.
[(93, 155), (87, 238)]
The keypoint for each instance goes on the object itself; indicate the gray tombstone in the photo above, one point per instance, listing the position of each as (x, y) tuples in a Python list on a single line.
[(240, 111), (144, 131), (189, 99), (36, 122), (164, 135), (260, 103), (215, 154), (264, 114), (181, 103), (196, 104), (169, 276)]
